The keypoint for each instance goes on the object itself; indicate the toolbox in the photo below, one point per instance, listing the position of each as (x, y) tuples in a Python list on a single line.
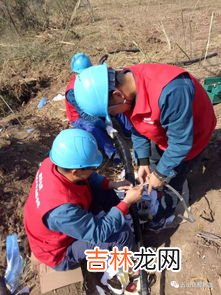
[(212, 86)]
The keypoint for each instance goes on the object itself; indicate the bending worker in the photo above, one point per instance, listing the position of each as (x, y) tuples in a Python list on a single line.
[(171, 113)]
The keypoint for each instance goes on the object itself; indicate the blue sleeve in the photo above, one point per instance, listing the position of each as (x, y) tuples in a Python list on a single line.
[(98, 122), (71, 99), (124, 123), (141, 145), (83, 225), (176, 117)]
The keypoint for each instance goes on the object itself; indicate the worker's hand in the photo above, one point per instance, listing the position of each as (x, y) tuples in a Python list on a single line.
[(154, 182), (143, 174), (133, 195), (120, 185)]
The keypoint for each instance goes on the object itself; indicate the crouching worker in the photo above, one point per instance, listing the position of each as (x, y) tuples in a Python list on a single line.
[(61, 212), (79, 119)]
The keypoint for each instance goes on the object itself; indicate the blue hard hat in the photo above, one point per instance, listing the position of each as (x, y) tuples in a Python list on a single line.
[(91, 91), (79, 62), (74, 149)]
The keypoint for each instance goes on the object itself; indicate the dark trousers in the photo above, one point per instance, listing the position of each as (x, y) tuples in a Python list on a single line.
[(177, 182), (102, 200)]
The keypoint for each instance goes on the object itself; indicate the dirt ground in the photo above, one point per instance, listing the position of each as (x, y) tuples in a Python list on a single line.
[(167, 31)]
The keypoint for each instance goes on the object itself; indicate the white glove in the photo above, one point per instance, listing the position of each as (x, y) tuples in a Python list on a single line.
[(110, 131)]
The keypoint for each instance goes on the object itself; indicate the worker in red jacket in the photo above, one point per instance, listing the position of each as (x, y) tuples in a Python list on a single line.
[(171, 113), (79, 119), (61, 213), (79, 62)]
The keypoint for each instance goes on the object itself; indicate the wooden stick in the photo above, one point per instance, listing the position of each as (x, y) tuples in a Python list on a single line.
[(77, 5), (91, 11), (9, 45), (196, 4), (68, 43), (183, 26), (208, 40), (166, 36), (146, 56), (182, 50), (219, 282), (10, 108), (124, 49), (66, 30), (191, 61), (11, 19), (191, 47)]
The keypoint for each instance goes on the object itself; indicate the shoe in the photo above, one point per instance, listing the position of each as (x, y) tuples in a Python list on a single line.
[(134, 286), (119, 282), (131, 288), (115, 285)]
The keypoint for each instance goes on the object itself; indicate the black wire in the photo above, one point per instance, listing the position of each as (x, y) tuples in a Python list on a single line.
[(129, 175)]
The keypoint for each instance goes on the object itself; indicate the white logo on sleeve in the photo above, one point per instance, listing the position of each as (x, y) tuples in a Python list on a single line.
[(38, 187), (148, 121)]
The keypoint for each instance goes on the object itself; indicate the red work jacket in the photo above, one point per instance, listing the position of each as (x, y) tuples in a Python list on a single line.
[(71, 112), (49, 190), (150, 80)]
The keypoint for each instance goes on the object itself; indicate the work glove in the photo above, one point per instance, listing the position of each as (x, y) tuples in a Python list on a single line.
[(110, 130)]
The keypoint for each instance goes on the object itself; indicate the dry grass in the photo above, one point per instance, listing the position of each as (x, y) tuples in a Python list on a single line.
[(31, 47), (163, 32)]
